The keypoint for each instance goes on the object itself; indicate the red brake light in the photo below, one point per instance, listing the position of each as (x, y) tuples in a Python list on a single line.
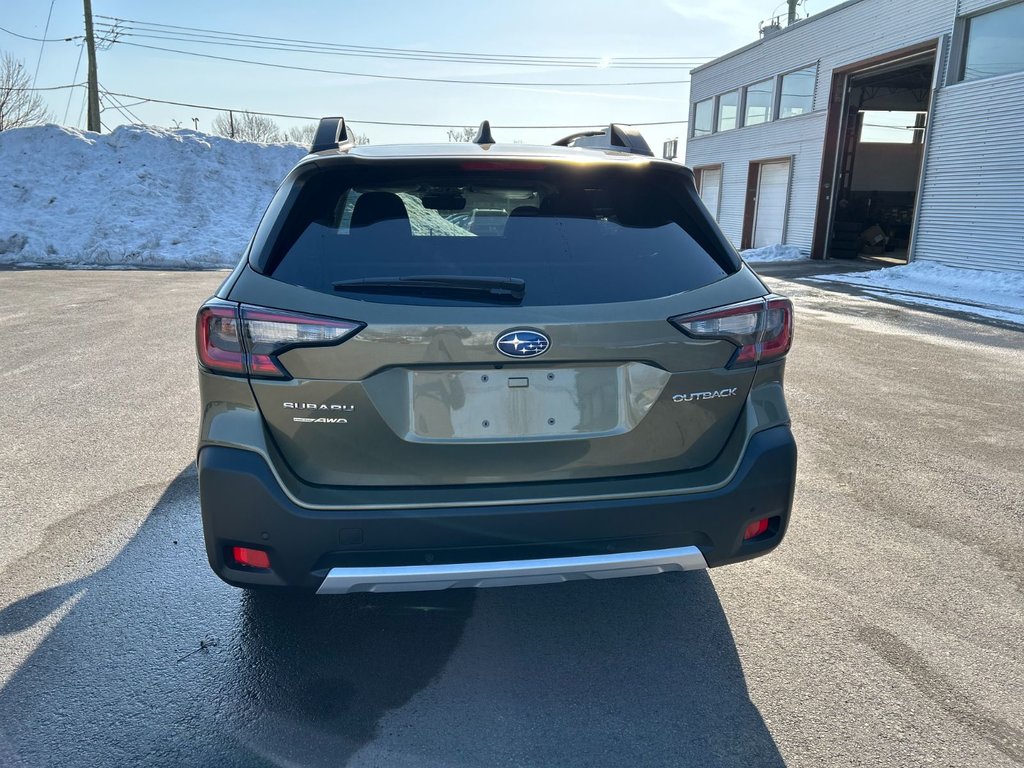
[(762, 329), (250, 558), (246, 339), (500, 165)]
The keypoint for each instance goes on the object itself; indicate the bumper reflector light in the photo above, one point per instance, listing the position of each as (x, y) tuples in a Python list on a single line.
[(756, 528), (250, 558)]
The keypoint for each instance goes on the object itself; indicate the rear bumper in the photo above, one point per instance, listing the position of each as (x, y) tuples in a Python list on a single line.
[(433, 548)]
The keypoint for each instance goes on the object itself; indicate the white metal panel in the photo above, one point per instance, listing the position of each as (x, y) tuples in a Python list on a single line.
[(770, 206), (971, 213), (799, 138), (711, 188), (968, 7)]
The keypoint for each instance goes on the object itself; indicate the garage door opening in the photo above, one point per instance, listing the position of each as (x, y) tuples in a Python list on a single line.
[(880, 125)]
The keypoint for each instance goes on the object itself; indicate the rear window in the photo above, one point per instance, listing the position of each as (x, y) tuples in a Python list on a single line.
[(575, 235)]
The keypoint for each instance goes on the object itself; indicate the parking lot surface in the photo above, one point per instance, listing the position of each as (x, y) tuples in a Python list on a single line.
[(887, 629)]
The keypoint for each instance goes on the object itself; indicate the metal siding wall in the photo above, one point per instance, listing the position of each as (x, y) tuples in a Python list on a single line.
[(972, 6), (835, 39), (971, 213), (798, 137)]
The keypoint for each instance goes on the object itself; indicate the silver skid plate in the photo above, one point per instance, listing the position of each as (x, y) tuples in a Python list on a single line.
[(416, 578)]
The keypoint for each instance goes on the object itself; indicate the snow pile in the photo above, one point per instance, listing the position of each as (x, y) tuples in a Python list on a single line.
[(772, 253), (136, 196), (993, 294)]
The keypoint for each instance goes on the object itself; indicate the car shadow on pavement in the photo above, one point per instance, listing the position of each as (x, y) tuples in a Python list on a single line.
[(154, 661)]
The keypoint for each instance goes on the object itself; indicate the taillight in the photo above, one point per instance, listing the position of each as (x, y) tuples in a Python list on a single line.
[(761, 329), (247, 340), (217, 340)]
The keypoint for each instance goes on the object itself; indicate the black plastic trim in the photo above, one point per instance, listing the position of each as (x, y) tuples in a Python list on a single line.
[(243, 504)]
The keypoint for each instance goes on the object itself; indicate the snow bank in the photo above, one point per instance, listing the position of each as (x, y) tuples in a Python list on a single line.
[(772, 253), (136, 196), (992, 294)]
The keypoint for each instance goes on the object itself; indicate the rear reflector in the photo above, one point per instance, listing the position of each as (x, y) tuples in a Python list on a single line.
[(756, 528), (250, 558), (247, 340), (762, 329)]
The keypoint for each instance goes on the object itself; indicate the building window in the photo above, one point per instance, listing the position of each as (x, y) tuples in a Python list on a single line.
[(704, 117), (797, 93), (759, 103), (993, 43), (892, 127), (728, 110)]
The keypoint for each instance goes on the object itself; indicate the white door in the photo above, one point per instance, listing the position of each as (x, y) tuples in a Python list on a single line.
[(711, 189), (770, 211)]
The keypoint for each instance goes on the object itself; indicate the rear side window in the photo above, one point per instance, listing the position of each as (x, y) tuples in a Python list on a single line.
[(575, 235)]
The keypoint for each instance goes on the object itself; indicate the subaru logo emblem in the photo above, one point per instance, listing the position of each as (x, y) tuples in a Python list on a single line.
[(522, 343)]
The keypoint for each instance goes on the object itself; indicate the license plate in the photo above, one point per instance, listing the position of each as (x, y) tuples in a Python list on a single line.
[(514, 404)]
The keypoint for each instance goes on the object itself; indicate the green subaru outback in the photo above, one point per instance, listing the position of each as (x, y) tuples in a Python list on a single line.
[(485, 364)]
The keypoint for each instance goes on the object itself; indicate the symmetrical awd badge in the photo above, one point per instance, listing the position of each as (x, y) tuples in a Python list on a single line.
[(522, 343)]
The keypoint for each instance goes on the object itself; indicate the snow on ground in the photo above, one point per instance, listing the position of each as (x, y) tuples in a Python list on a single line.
[(999, 295), (136, 196), (772, 253)]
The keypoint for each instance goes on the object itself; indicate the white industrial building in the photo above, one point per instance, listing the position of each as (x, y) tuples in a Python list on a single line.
[(905, 114)]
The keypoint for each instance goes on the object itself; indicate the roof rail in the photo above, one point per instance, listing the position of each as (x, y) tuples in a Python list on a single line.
[(616, 137), (483, 134), (330, 134)]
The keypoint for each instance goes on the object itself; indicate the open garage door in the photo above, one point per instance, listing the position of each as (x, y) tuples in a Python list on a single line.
[(874, 151)]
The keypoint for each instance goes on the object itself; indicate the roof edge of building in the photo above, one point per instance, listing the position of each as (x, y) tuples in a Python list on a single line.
[(776, 36)]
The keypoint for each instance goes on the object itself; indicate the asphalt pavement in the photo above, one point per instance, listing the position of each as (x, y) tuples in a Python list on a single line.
[(885, 631)]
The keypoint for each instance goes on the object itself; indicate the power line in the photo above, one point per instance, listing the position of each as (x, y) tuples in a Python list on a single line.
[(546, 60), (399, 123), (120, 107), (373, 122), (407, 78), (49, 88), (118, 33), (67, 108), (42, 39), (43, 43)]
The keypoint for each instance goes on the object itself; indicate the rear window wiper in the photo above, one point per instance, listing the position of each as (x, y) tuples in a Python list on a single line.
[(447, 286)]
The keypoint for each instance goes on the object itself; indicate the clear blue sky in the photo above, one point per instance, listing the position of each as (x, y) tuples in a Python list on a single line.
[(597, 28)]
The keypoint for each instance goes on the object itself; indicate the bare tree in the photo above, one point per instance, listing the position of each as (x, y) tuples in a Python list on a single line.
[(19, 106), (462, 135), (247, 126), (302, 134)]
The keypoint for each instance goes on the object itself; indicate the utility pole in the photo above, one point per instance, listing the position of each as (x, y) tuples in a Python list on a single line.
[(93, 122), (231, 123), (792, 11)]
